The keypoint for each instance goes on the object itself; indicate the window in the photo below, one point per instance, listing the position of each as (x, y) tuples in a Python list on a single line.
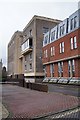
[(72, 23), (25, 67), (46, 40), (71, 68), (73, 43), (44, 69), (46, 53), (45, 30), (75, 21), (60, 69), (30, 56), (30, 66), (53, 35), (62, 28), (52, 51), (52, 70), (30, 32), (62, 47)]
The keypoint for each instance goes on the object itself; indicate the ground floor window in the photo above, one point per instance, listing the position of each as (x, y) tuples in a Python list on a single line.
[(45, 72), (52, 70), (60, 69), (71, 68)]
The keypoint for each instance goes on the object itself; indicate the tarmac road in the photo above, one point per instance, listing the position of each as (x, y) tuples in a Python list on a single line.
[(72, 90)]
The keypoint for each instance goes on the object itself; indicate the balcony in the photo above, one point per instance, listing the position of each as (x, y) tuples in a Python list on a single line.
[(26, 51), (26, 46)]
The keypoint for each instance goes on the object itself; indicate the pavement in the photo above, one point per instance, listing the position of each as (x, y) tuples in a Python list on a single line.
[(25, 103)]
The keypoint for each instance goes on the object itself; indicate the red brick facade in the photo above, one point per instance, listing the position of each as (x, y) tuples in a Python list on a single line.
[(68, 54)]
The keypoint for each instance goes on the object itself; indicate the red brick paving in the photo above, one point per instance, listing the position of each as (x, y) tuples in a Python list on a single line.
[(26, 103)]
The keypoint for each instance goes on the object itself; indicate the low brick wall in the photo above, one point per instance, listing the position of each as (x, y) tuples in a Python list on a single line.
[(17, 79), (37, 86)]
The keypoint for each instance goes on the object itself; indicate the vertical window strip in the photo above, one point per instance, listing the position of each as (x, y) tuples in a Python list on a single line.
[(73, 65), (71, 43), (53, 50), (60, 48), (75, 42), (75, 21), (46, 53)]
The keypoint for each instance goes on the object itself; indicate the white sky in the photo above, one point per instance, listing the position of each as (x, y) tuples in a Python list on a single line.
[(15, 14)]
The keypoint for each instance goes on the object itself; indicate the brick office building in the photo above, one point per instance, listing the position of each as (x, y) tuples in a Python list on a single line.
[(28, 52), (61, 49)]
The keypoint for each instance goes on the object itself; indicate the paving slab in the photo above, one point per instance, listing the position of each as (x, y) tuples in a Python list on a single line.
[(26, 103)]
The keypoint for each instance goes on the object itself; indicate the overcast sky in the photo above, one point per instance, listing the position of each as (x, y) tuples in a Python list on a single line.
[(14, 15)]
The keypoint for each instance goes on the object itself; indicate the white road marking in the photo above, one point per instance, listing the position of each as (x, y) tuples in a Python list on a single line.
[(67, 113)]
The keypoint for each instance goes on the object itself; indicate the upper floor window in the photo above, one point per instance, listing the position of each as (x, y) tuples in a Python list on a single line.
[(46, 39), (45, 30), (30, 56), (30, 66), (25, 67), (62, 28), (52, 51), (73, 43), (45, 53), (73, 23), (62, 47), (30, 32), (53, 35)]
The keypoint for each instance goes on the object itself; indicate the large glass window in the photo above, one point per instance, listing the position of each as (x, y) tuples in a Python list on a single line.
[(45, 30), (53, 35), (71, 68), (62, 29), (60, 69), (52, 70), (73, 23), (46, 40)]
